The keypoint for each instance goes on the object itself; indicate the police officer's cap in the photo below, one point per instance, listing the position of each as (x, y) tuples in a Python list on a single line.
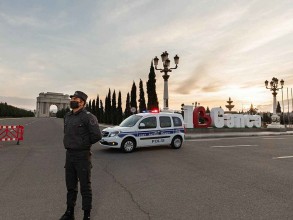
[(80, 94)]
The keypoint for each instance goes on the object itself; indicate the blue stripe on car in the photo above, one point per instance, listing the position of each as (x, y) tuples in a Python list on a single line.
[(151, 132)]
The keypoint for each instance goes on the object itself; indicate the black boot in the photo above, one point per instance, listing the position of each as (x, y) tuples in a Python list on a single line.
[(87, 215), (68, 215)]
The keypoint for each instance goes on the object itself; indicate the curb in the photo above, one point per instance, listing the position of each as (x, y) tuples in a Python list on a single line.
[(223, 135)]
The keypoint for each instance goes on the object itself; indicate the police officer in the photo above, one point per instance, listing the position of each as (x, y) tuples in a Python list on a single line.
[(81, 130)]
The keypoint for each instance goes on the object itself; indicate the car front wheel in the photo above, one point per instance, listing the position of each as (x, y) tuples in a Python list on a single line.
[(128, 145)]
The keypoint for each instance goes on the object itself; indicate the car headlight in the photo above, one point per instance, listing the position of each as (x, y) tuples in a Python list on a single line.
[(114, 133)]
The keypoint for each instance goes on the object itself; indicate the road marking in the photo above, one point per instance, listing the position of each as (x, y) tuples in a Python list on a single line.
[(283, 157), (204, 139), (214, 139), (242, 145), (271, 138), (29, 123), (231, 138)]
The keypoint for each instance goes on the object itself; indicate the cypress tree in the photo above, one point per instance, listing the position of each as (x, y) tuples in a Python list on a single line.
[(90, 106), (151, 89), (102, 114), (94, 107), (127, 111), (142, 104), (114, 109), (98, 108), (108, 110), (119, 109), (133, 102)]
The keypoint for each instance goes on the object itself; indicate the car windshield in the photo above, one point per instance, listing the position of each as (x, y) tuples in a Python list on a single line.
[(130, 121)]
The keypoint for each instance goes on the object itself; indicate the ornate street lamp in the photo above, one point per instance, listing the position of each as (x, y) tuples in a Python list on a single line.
[(274, 87), (165, 70)]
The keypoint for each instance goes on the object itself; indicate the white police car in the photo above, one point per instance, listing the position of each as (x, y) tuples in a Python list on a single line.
[(145, 129)]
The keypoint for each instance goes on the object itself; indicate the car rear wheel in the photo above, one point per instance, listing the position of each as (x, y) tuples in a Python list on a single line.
[(176, 142), (128, 145)]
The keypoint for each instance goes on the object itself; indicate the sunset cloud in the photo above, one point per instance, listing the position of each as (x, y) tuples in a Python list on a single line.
[(226, 48)]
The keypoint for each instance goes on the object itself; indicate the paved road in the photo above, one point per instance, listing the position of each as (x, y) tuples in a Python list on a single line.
[(223, 178)]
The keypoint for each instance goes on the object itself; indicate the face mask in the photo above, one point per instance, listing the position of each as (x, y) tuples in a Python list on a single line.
[(74, 104)]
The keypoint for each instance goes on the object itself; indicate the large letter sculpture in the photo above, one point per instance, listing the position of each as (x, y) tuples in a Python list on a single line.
[(252, 121), (217, 115), (218, 119), (201, 112), (257, 121), (239, 121), (229, 120), (188, 116), (249, 119)]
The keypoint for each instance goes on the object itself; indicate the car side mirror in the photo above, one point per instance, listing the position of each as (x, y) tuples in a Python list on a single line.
[(142, 125)]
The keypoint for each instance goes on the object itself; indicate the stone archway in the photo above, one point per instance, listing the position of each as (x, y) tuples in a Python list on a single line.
[(45, 100)]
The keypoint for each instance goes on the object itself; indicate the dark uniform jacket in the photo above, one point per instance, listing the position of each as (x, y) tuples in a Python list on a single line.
[(81, 130)]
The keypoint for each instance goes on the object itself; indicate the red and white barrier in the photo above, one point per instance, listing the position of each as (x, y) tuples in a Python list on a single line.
[(11, 133)]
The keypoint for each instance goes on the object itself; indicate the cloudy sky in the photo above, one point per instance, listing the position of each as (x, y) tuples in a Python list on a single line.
[(227, 48)]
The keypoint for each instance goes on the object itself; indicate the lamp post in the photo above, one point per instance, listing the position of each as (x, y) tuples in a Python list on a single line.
[(273, 86), (166, 69)]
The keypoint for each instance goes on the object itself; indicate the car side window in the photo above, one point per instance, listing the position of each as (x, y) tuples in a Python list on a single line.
[(165, 122), (150, 122), (177, 122)]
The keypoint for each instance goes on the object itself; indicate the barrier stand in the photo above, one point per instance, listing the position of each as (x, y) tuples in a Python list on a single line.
[(11, 133)]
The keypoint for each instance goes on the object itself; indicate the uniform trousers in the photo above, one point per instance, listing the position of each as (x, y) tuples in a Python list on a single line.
[(78, 168)]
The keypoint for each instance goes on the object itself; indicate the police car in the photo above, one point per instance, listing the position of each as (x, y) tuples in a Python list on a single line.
[(145, 129)]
